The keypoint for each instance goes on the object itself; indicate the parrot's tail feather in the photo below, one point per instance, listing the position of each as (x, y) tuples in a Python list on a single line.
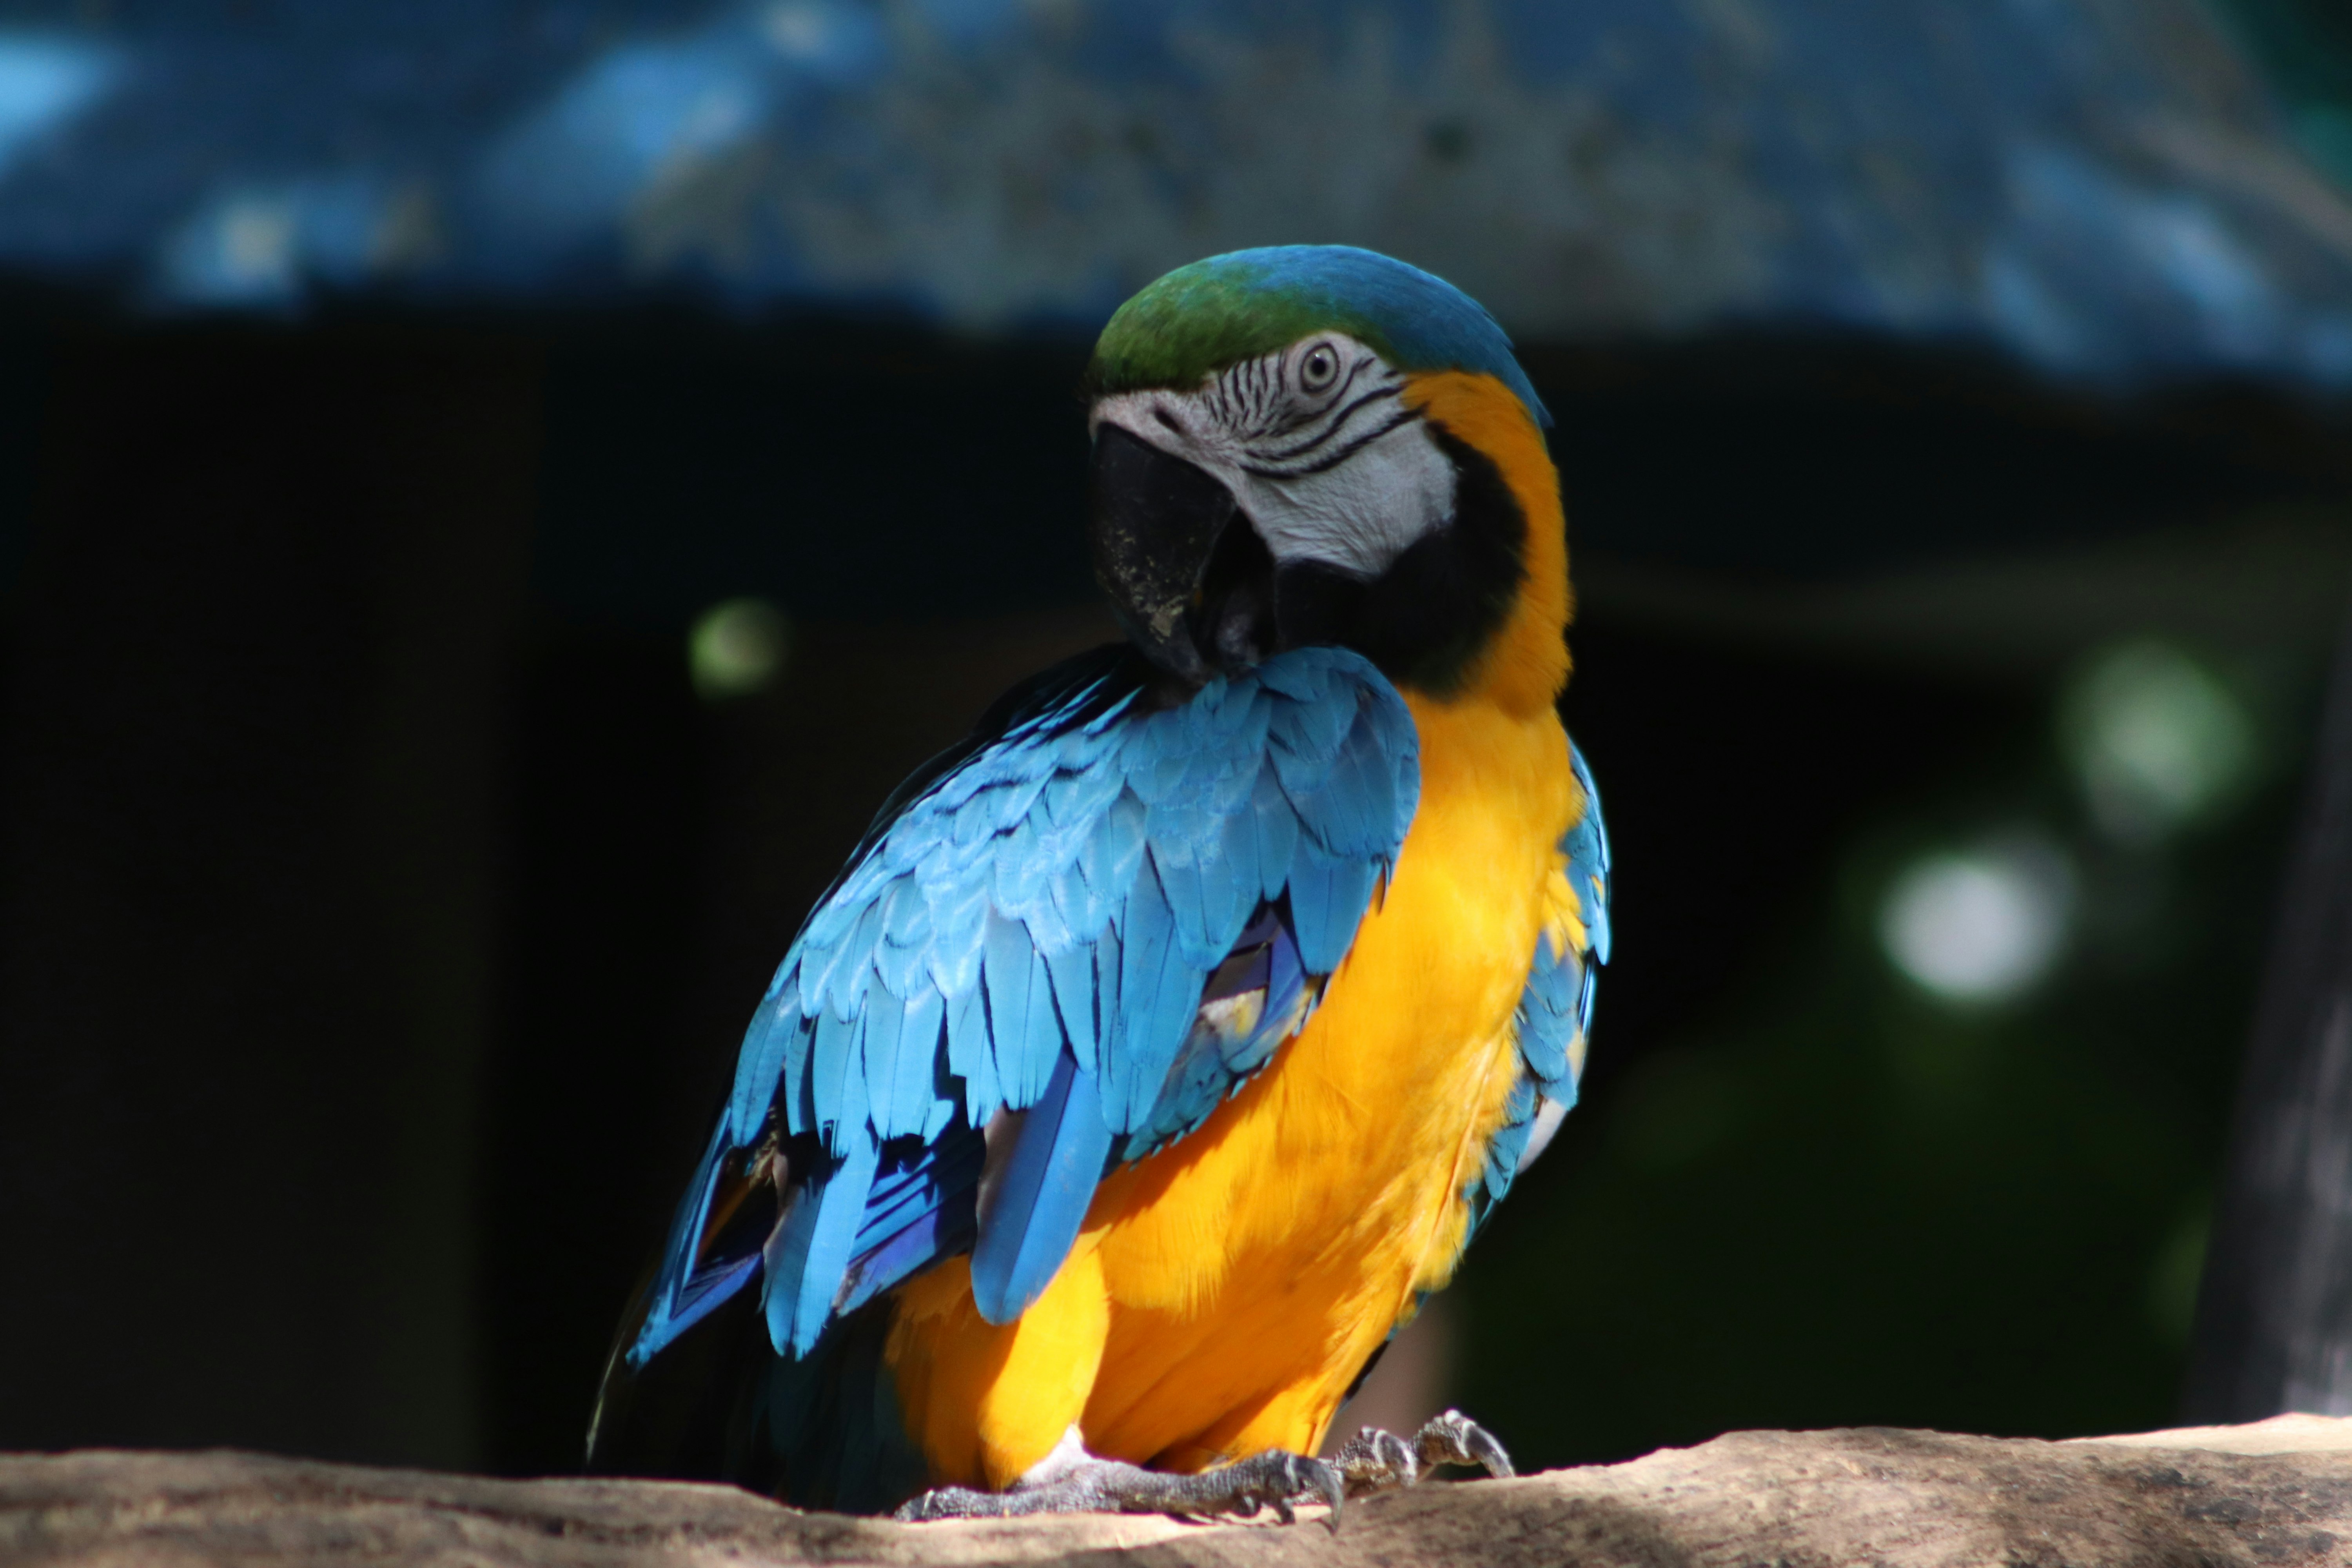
[(821, 1430), (825, 1429), (700, 1387), (676, 1415)]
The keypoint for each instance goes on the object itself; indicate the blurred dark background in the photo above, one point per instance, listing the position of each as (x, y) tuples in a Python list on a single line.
[(490, 503)]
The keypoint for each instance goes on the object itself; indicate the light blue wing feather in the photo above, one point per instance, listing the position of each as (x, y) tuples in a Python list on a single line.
[(1102, 914), (1555, 1012)]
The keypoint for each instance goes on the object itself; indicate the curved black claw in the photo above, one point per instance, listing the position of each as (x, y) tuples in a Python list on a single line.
[(1453, 1438), (1275, 1478), (1374, 1460)]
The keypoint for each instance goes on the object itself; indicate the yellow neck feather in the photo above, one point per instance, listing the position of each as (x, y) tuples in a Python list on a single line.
[(1526, 665)]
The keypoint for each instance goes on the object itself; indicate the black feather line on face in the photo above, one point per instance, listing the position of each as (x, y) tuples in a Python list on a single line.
[(1427, 618), (1337, 455), (1335, 421)]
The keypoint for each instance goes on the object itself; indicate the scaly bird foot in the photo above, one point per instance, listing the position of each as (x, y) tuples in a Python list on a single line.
[(1274, 1479), (1374, 1460)]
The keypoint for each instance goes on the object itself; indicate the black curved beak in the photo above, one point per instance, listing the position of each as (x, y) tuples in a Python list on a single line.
[(1156, 520), (1184, 568)]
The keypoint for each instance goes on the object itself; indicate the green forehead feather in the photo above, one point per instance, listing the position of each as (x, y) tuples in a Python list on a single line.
[(1200, 318)]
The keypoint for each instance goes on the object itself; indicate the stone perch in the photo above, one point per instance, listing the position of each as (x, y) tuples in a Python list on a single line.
[(2275, 1493)]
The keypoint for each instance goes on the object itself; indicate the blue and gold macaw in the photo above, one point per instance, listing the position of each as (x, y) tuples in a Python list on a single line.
[(1163, 1044)]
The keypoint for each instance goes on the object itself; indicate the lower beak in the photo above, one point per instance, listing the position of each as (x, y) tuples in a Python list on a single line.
[(1157, 520)]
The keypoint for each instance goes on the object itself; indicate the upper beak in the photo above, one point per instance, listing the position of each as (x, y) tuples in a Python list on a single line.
[(1156, 523)]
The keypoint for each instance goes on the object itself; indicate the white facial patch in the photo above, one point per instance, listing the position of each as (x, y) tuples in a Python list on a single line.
[(1317, 445)]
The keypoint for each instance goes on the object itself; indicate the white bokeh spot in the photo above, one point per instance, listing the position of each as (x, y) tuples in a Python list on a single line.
[(1983, 924)]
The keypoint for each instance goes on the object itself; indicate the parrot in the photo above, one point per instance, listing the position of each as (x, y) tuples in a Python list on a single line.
[(1164, 1043)]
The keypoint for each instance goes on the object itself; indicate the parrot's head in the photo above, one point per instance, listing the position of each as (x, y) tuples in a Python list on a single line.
[(1318, 444)]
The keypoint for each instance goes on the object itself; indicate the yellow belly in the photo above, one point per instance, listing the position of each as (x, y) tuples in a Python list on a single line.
[(1226, 1291)]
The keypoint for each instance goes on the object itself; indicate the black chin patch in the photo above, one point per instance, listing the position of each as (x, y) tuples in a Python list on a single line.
[(1427, 618), (1317, 604)]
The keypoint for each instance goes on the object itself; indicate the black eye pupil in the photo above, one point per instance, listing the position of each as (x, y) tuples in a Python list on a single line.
[(1320, 367)]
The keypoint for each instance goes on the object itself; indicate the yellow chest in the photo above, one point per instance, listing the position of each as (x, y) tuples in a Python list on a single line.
[(1226, 1291)]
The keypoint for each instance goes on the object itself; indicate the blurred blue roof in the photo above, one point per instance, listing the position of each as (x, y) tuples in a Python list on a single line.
[(2099, 187)]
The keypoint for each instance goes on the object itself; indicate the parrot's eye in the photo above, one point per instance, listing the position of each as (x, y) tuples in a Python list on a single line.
[(1319, 369)]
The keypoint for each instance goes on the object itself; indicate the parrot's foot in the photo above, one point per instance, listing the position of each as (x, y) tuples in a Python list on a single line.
[(1272, 1479), (1374, 1460)]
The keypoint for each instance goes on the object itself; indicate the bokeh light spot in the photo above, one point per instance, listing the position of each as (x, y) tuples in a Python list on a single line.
[(1979, 925), (737, 648), (2157, 740)]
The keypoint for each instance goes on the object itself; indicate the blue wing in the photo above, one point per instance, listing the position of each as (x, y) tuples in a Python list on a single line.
[(1555, 1013), (1087, 926)]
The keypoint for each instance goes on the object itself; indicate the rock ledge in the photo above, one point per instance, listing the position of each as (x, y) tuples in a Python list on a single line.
[(2279, 1492)]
